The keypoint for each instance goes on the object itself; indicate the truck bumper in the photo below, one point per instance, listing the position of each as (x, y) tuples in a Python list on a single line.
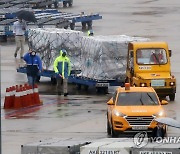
[(165, 91)]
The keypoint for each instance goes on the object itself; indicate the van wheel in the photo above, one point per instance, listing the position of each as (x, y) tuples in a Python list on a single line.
[(172, 97), (165, 131), (113, 133), (108, 128)]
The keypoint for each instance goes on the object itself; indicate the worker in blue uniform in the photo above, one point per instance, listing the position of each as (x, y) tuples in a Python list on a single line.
[(34, 66)]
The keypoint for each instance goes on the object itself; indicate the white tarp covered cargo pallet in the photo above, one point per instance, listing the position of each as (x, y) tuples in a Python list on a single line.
[(49, 41), (104, 57), (54, 146), (98, 57)]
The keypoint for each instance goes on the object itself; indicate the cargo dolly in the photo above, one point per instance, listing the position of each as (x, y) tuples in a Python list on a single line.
[(36, 4), (5, 1), (6, 26), (45, 18), (100, 85), (85, 19)]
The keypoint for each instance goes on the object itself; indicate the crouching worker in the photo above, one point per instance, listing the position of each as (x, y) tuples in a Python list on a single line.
[(159, 131), (62, 69), (34, 66)]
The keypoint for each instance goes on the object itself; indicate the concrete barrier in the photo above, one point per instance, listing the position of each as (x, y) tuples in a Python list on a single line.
[(54, 146), (157, 149), (101, 146), (127, 146)]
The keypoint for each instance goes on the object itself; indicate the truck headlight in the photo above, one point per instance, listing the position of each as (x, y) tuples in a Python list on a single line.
[(171, 83), (118, 114), (142, 84)]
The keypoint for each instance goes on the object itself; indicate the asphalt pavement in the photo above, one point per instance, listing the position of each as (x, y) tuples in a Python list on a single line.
[(83, 114)]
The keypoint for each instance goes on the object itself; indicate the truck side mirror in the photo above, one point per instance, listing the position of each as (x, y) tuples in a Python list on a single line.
[(164, 102), (110, 102), (170, 53)]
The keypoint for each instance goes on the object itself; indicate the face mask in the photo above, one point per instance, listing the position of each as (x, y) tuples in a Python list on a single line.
[(64, 54), (33, 53)]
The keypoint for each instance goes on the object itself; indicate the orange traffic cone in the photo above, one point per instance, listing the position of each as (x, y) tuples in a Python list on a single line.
[(36, 95), (23, 97), (31, 95), (17, 101), (28, 97), (7, 100), (13, 91)]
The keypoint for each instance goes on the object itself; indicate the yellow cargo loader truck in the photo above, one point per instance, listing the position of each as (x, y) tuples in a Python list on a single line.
[(148, 65)]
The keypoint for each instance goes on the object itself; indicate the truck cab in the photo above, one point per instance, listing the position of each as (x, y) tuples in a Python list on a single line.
[(148, 65)]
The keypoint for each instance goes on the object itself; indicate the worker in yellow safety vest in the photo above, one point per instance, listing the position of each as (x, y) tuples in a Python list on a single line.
[(90, 32), (62, 68)]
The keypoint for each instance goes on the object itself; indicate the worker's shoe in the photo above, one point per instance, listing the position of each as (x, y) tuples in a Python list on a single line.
[(65, 94), (15, 55)]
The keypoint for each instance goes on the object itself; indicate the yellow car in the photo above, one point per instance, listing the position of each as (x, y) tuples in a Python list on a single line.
[(133, 109)]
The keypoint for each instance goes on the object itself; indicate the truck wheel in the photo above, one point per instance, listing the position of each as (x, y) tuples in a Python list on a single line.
[(172, 97)]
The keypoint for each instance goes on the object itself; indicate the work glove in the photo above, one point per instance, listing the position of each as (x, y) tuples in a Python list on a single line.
[(58, 75)]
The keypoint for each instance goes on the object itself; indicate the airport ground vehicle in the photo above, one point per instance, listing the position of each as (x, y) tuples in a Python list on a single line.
[(101, 85), (148, 64), (132, 109)]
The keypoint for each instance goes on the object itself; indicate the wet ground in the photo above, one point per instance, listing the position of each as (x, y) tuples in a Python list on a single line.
[(83, 114)]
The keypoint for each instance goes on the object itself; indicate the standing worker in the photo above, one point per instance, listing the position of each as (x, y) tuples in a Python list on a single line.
[(62, 68), (19, 29), (34, 66)]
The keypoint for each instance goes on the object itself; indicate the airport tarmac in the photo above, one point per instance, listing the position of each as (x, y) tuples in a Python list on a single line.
[(82, 115)]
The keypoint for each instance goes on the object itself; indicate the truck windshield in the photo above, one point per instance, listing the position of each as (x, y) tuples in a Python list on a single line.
[(151, 56), (137, 99)]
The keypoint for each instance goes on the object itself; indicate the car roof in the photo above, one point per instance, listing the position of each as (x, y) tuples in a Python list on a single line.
[(136, 89)]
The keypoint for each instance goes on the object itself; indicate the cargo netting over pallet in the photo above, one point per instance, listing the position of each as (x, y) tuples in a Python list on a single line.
[(48, 42), (98, 57)]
